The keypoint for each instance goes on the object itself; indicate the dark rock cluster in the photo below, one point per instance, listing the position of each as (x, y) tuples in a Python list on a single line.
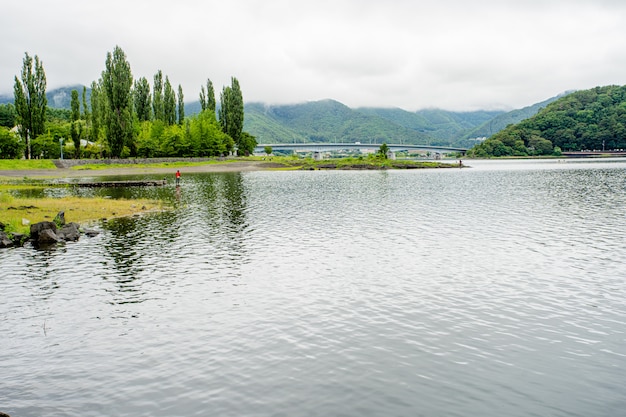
[(46, 233)]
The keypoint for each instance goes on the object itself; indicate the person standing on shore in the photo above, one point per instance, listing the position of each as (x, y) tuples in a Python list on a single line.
[(177, 177)]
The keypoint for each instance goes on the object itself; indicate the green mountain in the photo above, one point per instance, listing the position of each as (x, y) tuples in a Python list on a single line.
[(324, 121), (501, 121), (331, 121), (446, 127), (60, 98), (593, 119)]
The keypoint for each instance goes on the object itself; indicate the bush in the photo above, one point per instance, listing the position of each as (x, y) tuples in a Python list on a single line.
[(11, 146)]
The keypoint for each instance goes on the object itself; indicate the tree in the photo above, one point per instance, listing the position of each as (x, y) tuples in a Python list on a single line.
[(143, 102), (169, 103), (85, 115), (10, 145), (157, 96), (210, 92), (268, 150), (30, 101), (382, 151), (231, 112), (117, 81), (96, 113), (207, 97), (181, 105), (75, 129), (7, 115)]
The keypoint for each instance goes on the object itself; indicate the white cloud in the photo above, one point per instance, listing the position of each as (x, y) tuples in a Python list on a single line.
[(452, 54)]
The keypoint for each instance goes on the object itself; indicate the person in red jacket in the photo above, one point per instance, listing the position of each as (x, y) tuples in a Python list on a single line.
[(177, 177)]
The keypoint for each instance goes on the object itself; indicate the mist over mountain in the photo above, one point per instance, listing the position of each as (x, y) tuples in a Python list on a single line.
[(331, 121)]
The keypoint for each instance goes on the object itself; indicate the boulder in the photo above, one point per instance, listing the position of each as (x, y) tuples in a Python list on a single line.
[(60, 218), (91, 233), (69, 232), (37, 228), (5, 242), (48, 236), (18, 240)]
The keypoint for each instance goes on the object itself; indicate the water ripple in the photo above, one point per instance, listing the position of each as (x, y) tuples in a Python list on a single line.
[(490, 291)]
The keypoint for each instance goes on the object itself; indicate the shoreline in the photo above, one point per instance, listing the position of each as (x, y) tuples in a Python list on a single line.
[(238, 166)]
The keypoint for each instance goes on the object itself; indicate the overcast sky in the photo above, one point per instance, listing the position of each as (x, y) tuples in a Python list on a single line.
[(412, 54)]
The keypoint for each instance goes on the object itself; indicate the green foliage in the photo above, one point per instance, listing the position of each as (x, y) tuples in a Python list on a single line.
[(158, 108), (11, 146), (268, 150), (199, 136), (169, 103), (207, 137), (47, 146), (7, 115), (383, 150), (592, 119), (30, 101), (76, 127), (247, 143), (117, 81), (324, 121), (142, 99), (181, 105), (231, 115)]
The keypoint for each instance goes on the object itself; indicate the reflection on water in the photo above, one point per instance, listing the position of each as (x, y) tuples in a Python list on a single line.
[(493, 290)]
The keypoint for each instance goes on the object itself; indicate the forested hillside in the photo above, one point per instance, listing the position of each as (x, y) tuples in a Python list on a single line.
[(331, 121), (324, 121), (592, 119), (501, 121), (445, 127)]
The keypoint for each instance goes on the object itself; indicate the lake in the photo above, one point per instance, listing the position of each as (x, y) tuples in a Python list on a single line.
[(496, 290)]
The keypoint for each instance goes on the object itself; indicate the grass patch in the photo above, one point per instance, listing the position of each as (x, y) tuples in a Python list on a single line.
[(367, 163), (178, 164), (25, 164), (77, 209)]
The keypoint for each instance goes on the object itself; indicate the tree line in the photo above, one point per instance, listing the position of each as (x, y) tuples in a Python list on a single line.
[(593, 119), (124, 117)]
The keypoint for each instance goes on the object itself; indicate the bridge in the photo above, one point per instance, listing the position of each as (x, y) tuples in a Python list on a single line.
[(323, 147)]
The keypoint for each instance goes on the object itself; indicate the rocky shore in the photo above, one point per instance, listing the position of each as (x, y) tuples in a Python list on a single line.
[(46, 233)]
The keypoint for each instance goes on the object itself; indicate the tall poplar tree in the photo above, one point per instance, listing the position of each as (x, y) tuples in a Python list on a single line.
[(210, 92), (75, 128), (143, 101), (96, 113), (117, 81), (169, 103), (157, 96), (231, 112), (207, 97), (85, 114), (30, 101), (181, 105)]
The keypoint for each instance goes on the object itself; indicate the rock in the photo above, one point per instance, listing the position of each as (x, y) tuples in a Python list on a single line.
[(48, 236), (2, 226), (91, 233), (25, 222), (18, 240), (60, 218), (5, 242), (37, 228), (4, 415), (69, 232)]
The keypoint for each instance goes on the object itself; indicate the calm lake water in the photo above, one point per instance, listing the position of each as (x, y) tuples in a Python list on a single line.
[(498, 290)]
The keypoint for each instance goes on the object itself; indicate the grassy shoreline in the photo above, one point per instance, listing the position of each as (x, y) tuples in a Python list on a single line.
[(17, 213)]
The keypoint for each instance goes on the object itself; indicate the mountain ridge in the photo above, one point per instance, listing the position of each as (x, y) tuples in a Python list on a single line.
[(329, 120)]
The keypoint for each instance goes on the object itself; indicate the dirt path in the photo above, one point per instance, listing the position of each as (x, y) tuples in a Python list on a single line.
[(238, 166)]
